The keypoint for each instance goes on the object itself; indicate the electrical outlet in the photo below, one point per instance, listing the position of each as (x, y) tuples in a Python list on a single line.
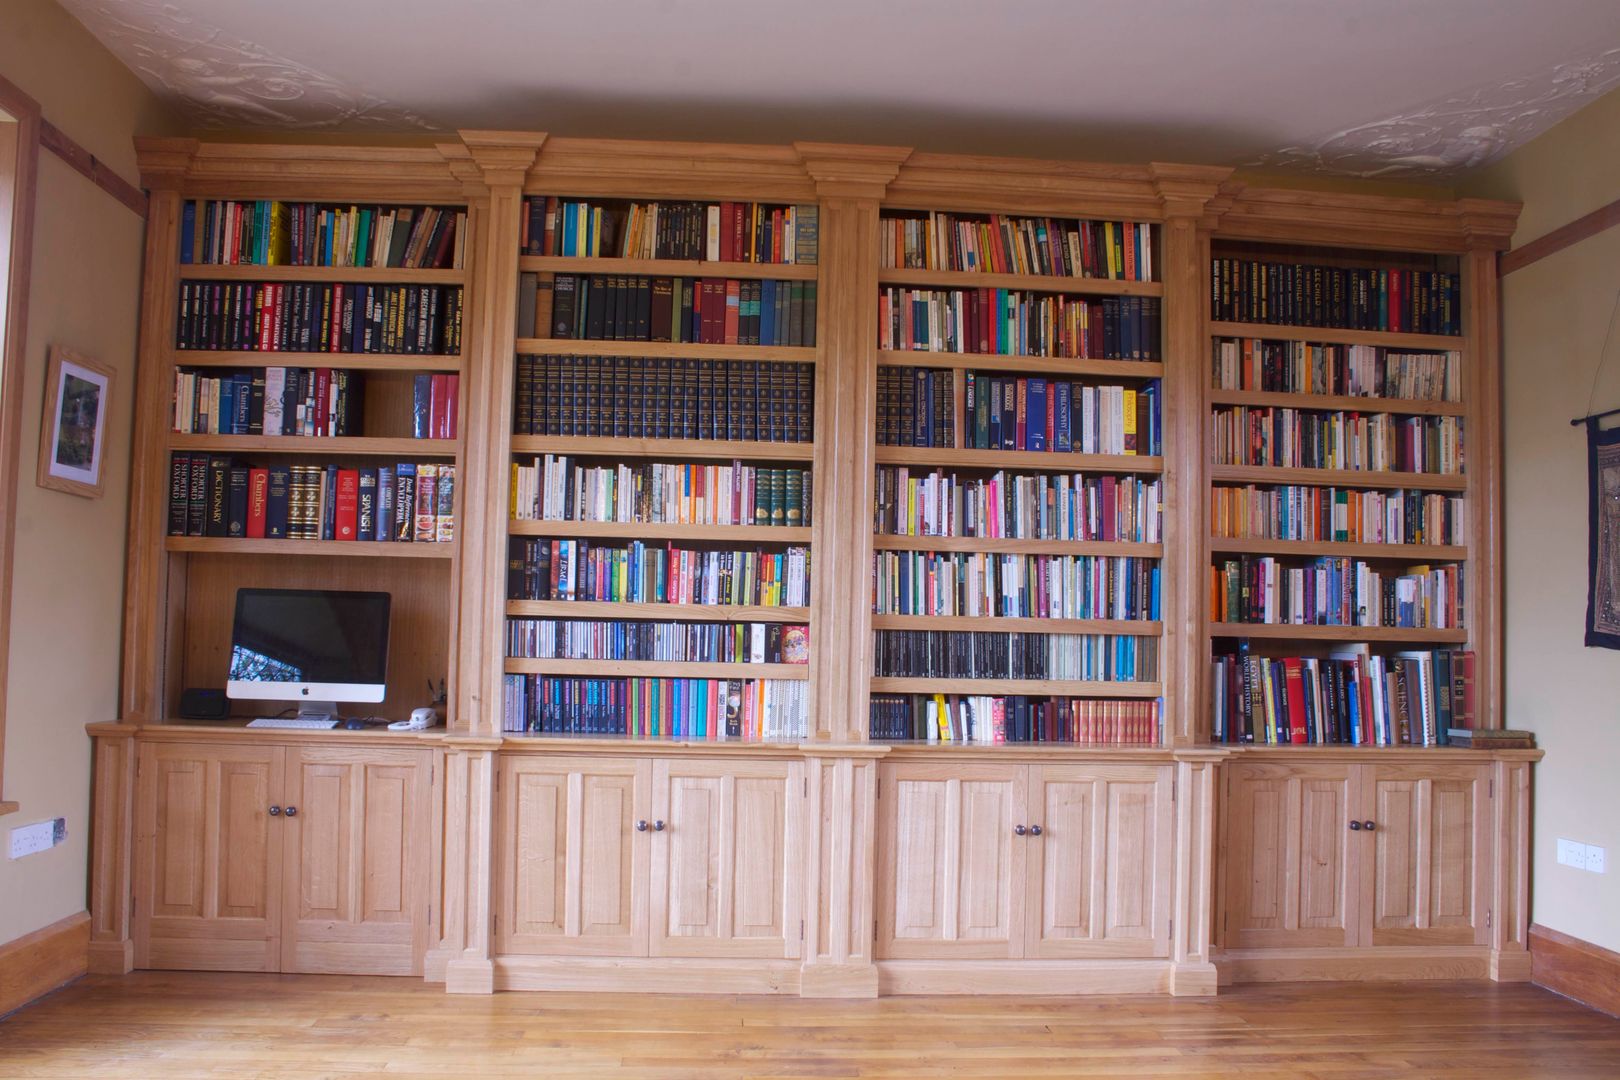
[(1594, 858), (40, 836), (1571, 853)]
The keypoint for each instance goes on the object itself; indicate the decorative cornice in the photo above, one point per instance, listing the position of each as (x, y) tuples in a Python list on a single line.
[(504, 157), (1186, 191), (843, 170), (1287, 215), (164, 163)]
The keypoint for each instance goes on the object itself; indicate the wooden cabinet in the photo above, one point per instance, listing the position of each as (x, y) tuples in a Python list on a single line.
[(259, 857), (638, 857), (1325, 854), (1002, 861)]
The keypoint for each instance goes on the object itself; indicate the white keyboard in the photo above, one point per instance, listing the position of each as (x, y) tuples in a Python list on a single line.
[(293, 722)]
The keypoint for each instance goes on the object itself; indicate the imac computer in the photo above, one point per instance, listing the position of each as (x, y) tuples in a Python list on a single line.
[(313, 646)]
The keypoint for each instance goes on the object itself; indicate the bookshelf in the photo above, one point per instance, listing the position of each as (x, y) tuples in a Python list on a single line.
[(849, 833)]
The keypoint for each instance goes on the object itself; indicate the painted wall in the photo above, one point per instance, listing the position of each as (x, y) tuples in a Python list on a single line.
[(67, 600), (1556, 313)]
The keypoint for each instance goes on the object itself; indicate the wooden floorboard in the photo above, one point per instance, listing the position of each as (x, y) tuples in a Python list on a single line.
[(175, 1026)]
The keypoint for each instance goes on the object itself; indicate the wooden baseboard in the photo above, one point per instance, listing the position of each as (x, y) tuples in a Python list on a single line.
[(622, 975), (838, 981), (37, 963), (1579, 970), (1024, 977), (1352, 965)]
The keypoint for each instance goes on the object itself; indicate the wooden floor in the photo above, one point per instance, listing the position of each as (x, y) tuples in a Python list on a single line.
[(170, 1026)]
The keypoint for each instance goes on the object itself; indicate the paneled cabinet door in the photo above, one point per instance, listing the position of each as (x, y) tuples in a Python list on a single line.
[(725, 842), (1428, 853), (572, 875), (1099, 869), (1291, 860), (208, 852), (355, 868), (950, 865)]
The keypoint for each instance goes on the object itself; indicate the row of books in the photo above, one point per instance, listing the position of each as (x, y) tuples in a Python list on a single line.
[(267, 232), (1345, 298), (542, 569), (558, 488), (1353, 697), (712, 231), (324, 316), (710, 709), (631, 307), (406, 502), (1003, 506), (678, 642), (997, 654), (304, 402), (979, 583), (1313, 439), (1001, 244), (1018, 718), (928, 407), (1008, 322), (661, 398), (1300, 367), (1337, 515), (1335, 592)]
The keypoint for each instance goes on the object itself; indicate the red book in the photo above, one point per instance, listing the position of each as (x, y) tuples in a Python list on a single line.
[(1108, 531), (1294, 688), (728, 230), (452, 408), (347, 508), (258, 502), (1020, 417), (323, 390), (739, 232), (712, 326), (733, 310), (1051, 416), (438, 402)]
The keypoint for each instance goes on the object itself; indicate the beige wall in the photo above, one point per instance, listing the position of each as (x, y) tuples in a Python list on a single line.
[(68, 592), (1555, 314)]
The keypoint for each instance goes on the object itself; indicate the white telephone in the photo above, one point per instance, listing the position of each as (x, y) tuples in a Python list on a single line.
[(421, 720)]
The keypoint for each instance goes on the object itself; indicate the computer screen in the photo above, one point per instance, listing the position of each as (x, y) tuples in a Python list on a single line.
[(310, 645)]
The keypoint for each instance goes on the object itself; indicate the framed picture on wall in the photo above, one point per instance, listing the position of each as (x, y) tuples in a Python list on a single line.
[(72, 433)]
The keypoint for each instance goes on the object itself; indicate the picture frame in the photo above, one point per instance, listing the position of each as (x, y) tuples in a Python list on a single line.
[(73, 429)]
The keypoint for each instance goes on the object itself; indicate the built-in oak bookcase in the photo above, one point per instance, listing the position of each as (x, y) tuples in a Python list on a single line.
[(1016, 578), (663, 426), (1343, 445), (304, 375)]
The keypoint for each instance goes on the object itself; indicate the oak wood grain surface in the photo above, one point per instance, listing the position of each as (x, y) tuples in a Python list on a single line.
[(183, 1025)]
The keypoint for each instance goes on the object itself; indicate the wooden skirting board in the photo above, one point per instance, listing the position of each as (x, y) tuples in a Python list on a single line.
[(37, 963), (1579, 970), (1024, 977), (1352, 964)]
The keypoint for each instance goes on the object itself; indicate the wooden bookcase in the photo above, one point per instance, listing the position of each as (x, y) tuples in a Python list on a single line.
[(834, 864)]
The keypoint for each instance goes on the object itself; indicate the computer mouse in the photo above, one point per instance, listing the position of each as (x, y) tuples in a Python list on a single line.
[(354, 723)]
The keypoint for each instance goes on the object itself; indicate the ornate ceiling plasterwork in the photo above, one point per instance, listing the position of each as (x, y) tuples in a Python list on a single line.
[(1460, 131), (225, 81)]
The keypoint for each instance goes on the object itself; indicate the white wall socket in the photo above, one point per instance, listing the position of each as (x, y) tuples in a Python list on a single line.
[(1594, 858), (1589, 857), (40, 836)]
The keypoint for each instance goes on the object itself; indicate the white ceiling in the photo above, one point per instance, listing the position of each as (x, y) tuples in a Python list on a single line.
[(1418, 88)]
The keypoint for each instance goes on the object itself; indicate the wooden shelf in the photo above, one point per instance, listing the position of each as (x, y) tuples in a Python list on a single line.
[(1365, 478), (641, 530), (352, 361), (624, 609), (712, 449), (1000, 362), (298, 444), (1024, 459), (1038, 687), (1017, 547), (1337, 633), (1325, 336), (1049, 283), (656, 669), (382, 275), (1139, 627), (1341, 549), (220, 545), (579, 264), (580, 347), (1336, 402)]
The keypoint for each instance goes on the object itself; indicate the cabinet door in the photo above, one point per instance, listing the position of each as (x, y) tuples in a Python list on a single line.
[(1099, 872), (725, 865), (208, 856), (1291, 860), (1429, 856), (950, 867), (355, 876), (572, 875)]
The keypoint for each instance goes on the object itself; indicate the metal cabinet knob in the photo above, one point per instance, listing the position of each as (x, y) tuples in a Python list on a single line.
[(292, 811), (641, 826), (275, 811), (1355, 826), (1034, 830), (1019, 830), (658, 826), (1369, 826)]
